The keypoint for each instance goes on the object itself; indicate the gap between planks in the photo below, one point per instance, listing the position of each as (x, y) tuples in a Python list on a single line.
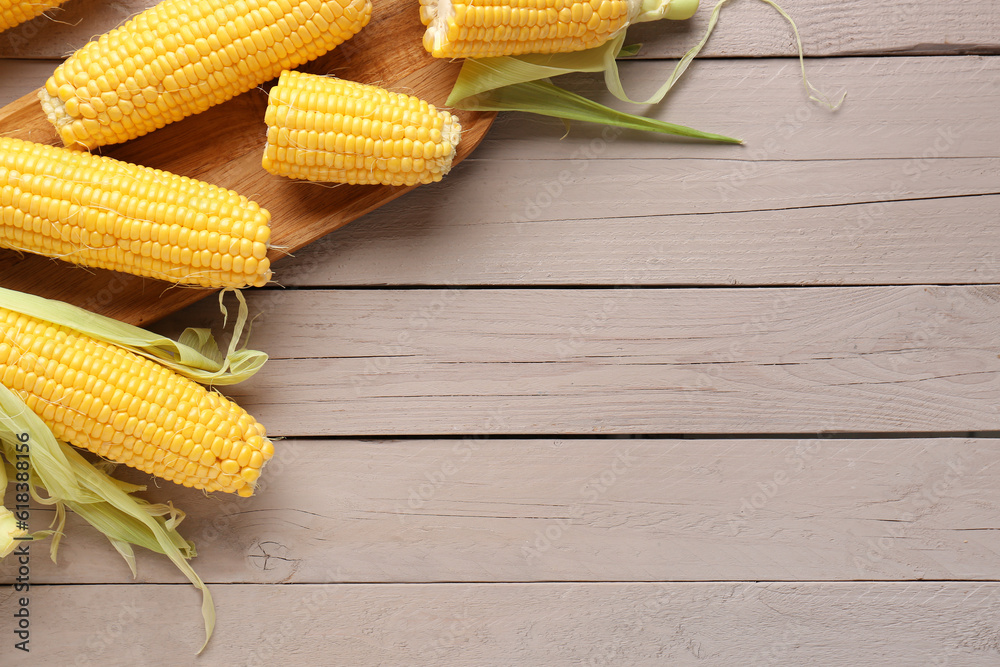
[(552, 624), (626, 361), (810, 509)]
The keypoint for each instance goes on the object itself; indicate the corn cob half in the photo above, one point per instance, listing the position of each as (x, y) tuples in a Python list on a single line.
[(104, 213), (16, 12), (327, 129), (488, 28), (130, 409), (181, 57)]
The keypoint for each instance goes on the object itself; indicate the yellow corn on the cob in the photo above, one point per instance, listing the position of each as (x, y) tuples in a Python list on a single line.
[(326, 129), (487, 28), (100, 212), (15, 12), (130, 409), (182, 56)]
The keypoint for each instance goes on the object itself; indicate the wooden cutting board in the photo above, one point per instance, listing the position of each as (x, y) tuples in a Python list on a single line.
[(224, 145)]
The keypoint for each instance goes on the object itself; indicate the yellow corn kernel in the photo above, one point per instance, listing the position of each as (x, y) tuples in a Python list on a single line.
[(51, 198), (327, 129), (15, 12), (154, 443), (179, 57), (487, 28)]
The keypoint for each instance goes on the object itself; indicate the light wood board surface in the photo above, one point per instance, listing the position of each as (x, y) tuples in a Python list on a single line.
[(607, 399)]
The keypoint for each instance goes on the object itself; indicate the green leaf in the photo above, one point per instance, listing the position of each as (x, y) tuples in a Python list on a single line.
[(479, 75), (542, 97)]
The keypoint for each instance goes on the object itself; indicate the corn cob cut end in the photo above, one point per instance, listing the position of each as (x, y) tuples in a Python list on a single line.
[(330, 130), (55, 112), (129, 409)]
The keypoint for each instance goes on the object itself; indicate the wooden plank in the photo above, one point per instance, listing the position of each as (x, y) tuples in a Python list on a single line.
[(898, 107), (933, 623), (626, 360), (501, 510), (746, 29), (846, 27), (20, 77), (946, 240)]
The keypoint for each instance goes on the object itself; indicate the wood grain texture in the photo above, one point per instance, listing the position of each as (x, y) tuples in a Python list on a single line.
[(943, 240), (620, 550), (840, 625), (747, 29), (527, 510), (626, 360), (896, 107), (231, 159)]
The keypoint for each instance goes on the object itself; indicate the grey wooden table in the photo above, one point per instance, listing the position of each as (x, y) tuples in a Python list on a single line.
[(614, 399)]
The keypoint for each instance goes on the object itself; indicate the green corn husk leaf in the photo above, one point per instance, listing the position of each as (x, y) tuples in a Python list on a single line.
[(520, 83), (544, 98), (481, 74), (71, 481), (501, 83), (195, 355)]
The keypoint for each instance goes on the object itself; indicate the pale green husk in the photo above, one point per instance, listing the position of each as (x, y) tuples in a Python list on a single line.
[(195, 354), (503, 83), (544, 98), (520, 83)]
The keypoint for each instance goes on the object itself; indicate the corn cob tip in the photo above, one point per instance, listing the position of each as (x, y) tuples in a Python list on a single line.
[(55, 111), (327, 129)]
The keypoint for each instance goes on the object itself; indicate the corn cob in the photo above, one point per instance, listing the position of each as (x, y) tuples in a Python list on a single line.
[(130, 409), (181, 57), (488, 28), (100, 212), (326, 129), (15, 12)]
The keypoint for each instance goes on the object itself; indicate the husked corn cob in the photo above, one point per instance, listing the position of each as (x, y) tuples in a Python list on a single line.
[(15, 12), (130, 409), (182, 56), (488, 28), (104, 213), (326, 129)]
